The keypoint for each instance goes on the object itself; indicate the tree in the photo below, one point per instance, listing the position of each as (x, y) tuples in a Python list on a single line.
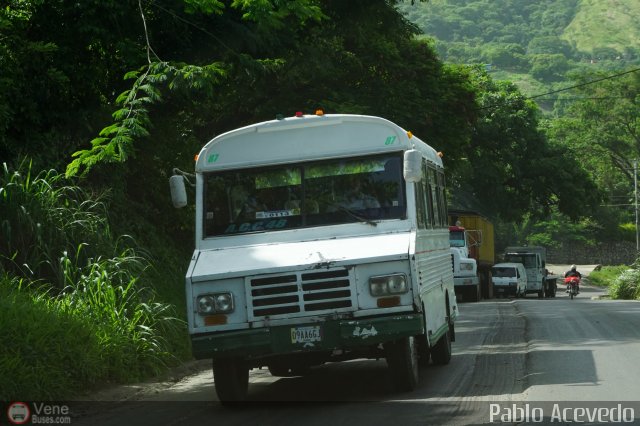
[(503, 55), (549, 67), (511, 169), (603, 131)]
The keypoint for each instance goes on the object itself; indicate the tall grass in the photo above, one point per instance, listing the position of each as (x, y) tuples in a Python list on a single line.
[(75, 309), (627, 284), (41, 218)]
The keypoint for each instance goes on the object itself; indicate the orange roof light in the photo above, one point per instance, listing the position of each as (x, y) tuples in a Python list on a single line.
[(409, 134), (195, 157), (440, 154), (319, 112)]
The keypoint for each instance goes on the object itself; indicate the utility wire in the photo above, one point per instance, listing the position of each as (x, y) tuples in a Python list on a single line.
[(575, 86), (581, 98), (597, 80)]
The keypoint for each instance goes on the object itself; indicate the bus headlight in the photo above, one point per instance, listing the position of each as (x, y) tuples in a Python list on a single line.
[(220, 303), (224, 303), (384, 285)]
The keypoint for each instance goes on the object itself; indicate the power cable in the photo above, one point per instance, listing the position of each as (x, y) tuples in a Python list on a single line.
[(610, 77)]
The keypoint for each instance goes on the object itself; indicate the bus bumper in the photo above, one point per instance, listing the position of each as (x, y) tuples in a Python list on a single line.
[(324, 336)]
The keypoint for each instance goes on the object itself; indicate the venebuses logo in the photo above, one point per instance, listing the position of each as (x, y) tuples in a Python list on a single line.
[(18, 413)]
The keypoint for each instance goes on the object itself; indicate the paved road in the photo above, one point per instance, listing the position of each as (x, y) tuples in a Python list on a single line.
[(507, 351)]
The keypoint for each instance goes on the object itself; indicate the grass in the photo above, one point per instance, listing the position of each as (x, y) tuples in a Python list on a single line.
[(622, 281), (606, 275), (77, 306)]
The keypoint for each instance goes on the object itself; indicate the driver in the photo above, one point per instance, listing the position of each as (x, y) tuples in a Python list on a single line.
[(355, 198)]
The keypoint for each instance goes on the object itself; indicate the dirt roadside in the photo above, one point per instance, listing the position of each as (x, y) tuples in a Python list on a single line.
[(149, 388)]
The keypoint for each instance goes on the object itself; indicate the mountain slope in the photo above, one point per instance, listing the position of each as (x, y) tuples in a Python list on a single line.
[(536, 44), (612, 24)]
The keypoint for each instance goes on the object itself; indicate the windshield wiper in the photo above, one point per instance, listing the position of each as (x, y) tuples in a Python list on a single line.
[(357, 216)]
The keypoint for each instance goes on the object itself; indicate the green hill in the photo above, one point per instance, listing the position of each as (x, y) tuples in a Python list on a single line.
[(536, 44), (612, 24)]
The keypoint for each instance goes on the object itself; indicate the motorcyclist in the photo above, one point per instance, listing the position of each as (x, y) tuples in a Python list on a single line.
[(573, 272)]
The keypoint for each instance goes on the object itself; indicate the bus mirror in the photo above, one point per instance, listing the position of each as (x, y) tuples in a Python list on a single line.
[(412, 165), (178, 191)]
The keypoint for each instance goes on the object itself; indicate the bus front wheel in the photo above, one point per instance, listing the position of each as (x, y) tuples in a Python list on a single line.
[(402, 358), (231, 377)]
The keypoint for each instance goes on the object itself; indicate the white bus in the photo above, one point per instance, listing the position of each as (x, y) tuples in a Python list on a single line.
[(319, 238)]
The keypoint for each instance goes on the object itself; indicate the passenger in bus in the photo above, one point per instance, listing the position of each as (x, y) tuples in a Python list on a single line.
[(355, 197)]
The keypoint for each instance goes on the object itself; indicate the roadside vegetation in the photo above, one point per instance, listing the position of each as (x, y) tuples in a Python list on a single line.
[(606, 275), (622, 281), (76, 305), (627, 284)]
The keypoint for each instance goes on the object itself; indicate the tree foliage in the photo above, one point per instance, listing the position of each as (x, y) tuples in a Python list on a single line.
[(601, 127), (511, 164), (556, 35), (195, 68)]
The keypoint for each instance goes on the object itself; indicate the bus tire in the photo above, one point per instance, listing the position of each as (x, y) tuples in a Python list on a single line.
[(441, 351), (402, 359), (231, 377), (424, 353)]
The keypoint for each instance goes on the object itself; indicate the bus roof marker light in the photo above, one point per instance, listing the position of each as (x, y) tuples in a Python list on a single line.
[(409, 134), (319, 112), (440, 154), (299, 114)]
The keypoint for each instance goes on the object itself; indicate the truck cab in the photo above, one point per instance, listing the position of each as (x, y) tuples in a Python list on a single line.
[(465, 268), (534, 261)]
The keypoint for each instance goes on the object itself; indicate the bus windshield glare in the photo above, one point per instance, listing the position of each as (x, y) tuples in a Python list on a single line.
[(359, 189)]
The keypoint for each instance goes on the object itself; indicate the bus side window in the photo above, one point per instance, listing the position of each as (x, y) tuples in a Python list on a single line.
[(421, 209), (427, 194), (436, 209), (442, 198)]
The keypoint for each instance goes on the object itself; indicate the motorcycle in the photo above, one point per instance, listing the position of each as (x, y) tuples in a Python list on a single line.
[(572, 285)]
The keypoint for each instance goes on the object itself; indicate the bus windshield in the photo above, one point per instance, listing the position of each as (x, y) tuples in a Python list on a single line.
[(360, 189)]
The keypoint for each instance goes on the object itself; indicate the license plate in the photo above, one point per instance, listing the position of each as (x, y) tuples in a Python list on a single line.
[(306, 334)]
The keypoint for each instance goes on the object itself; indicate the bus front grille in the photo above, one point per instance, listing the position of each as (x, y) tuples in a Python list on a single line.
[(299, 293)]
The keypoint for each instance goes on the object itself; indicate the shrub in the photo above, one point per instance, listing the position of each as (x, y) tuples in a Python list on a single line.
[(605, 276), (626, 285)]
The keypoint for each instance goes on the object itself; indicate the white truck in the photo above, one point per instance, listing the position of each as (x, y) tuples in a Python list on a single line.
[(509, 279), (534, 259), (284, 275), (465, 268)]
